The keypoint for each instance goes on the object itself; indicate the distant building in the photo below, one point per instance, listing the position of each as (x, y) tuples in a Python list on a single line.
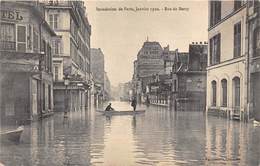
[(101, 80), (25, 62), (71, 53), (189, 79), (98, 71), (125, 91), (159, 85), (149, 62)]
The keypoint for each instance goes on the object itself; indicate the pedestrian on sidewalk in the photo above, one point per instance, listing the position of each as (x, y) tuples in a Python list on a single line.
[(134, 103)]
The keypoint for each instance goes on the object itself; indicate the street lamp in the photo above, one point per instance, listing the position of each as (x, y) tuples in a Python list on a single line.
[(66, 83)]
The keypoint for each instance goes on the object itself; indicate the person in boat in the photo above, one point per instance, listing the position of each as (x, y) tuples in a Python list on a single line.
[(134, 103), (109, 108)]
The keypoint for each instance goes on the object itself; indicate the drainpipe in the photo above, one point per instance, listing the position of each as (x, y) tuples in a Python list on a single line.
[(248, 64), (41, 59)]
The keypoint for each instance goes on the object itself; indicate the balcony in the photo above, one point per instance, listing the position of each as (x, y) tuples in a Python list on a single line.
[(8, 45)]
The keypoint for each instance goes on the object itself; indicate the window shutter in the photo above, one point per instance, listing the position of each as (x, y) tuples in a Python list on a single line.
[(21, 38)]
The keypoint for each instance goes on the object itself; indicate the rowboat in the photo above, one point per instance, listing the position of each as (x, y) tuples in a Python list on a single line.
[(12, 135), (108, 113)]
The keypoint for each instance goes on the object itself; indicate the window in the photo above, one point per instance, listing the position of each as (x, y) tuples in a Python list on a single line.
[(237, 4), (224, 92), (214, 93), (236, 91), (215, 12), (48, 58), (257, 42), (215, 50), (56, 73), (175, 85), (49, 96), (237, 40), (7, 36), (53, 21), (35, 41), (29, 37), (43, 96), (21, 38)]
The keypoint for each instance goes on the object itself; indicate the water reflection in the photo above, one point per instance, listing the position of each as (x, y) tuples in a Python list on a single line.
[(158, 137)]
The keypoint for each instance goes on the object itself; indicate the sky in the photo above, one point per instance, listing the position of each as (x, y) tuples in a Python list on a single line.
[(121, 34)]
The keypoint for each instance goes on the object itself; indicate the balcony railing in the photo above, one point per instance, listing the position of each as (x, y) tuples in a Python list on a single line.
[(7, 45)]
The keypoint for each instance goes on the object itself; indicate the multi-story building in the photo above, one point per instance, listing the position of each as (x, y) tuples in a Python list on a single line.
[(98, 72), (71, 54), (149, 62), (189, 79), (159, 88), (25, 62), (227, 70)]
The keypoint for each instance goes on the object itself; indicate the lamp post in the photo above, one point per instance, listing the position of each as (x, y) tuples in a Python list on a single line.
[(66, 83)]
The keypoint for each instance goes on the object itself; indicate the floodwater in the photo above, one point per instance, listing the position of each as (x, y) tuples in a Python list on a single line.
[(157, 137)]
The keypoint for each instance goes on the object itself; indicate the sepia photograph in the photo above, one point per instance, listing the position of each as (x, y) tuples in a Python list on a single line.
[(129, 82)]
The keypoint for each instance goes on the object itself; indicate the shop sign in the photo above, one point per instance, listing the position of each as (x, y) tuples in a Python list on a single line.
[(11, 15)]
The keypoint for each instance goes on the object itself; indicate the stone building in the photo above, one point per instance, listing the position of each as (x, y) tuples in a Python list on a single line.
[(71, 54), (189, 79), (227, 61), (149, 62), (25, 62), (100, 77), (159, 88), (253, 58)]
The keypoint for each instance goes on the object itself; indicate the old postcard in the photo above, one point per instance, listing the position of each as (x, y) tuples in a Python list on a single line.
[(129, 83)]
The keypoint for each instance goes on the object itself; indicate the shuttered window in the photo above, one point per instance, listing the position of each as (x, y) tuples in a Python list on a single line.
[(21, 38), (237, 40)]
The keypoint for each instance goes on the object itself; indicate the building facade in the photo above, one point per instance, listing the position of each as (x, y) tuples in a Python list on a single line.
[(159, 88), (101, 80), (189, 79), (71, 54), (227, 69), (25, 62), (253, 58), (149, 62)]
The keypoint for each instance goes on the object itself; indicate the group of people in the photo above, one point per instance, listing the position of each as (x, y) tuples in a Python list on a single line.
[(133, 104)]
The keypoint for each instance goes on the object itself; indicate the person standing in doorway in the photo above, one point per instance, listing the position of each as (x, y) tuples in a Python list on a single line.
[(134, 103)]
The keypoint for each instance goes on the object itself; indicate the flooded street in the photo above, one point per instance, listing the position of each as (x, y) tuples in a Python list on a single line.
[(158, 137)]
